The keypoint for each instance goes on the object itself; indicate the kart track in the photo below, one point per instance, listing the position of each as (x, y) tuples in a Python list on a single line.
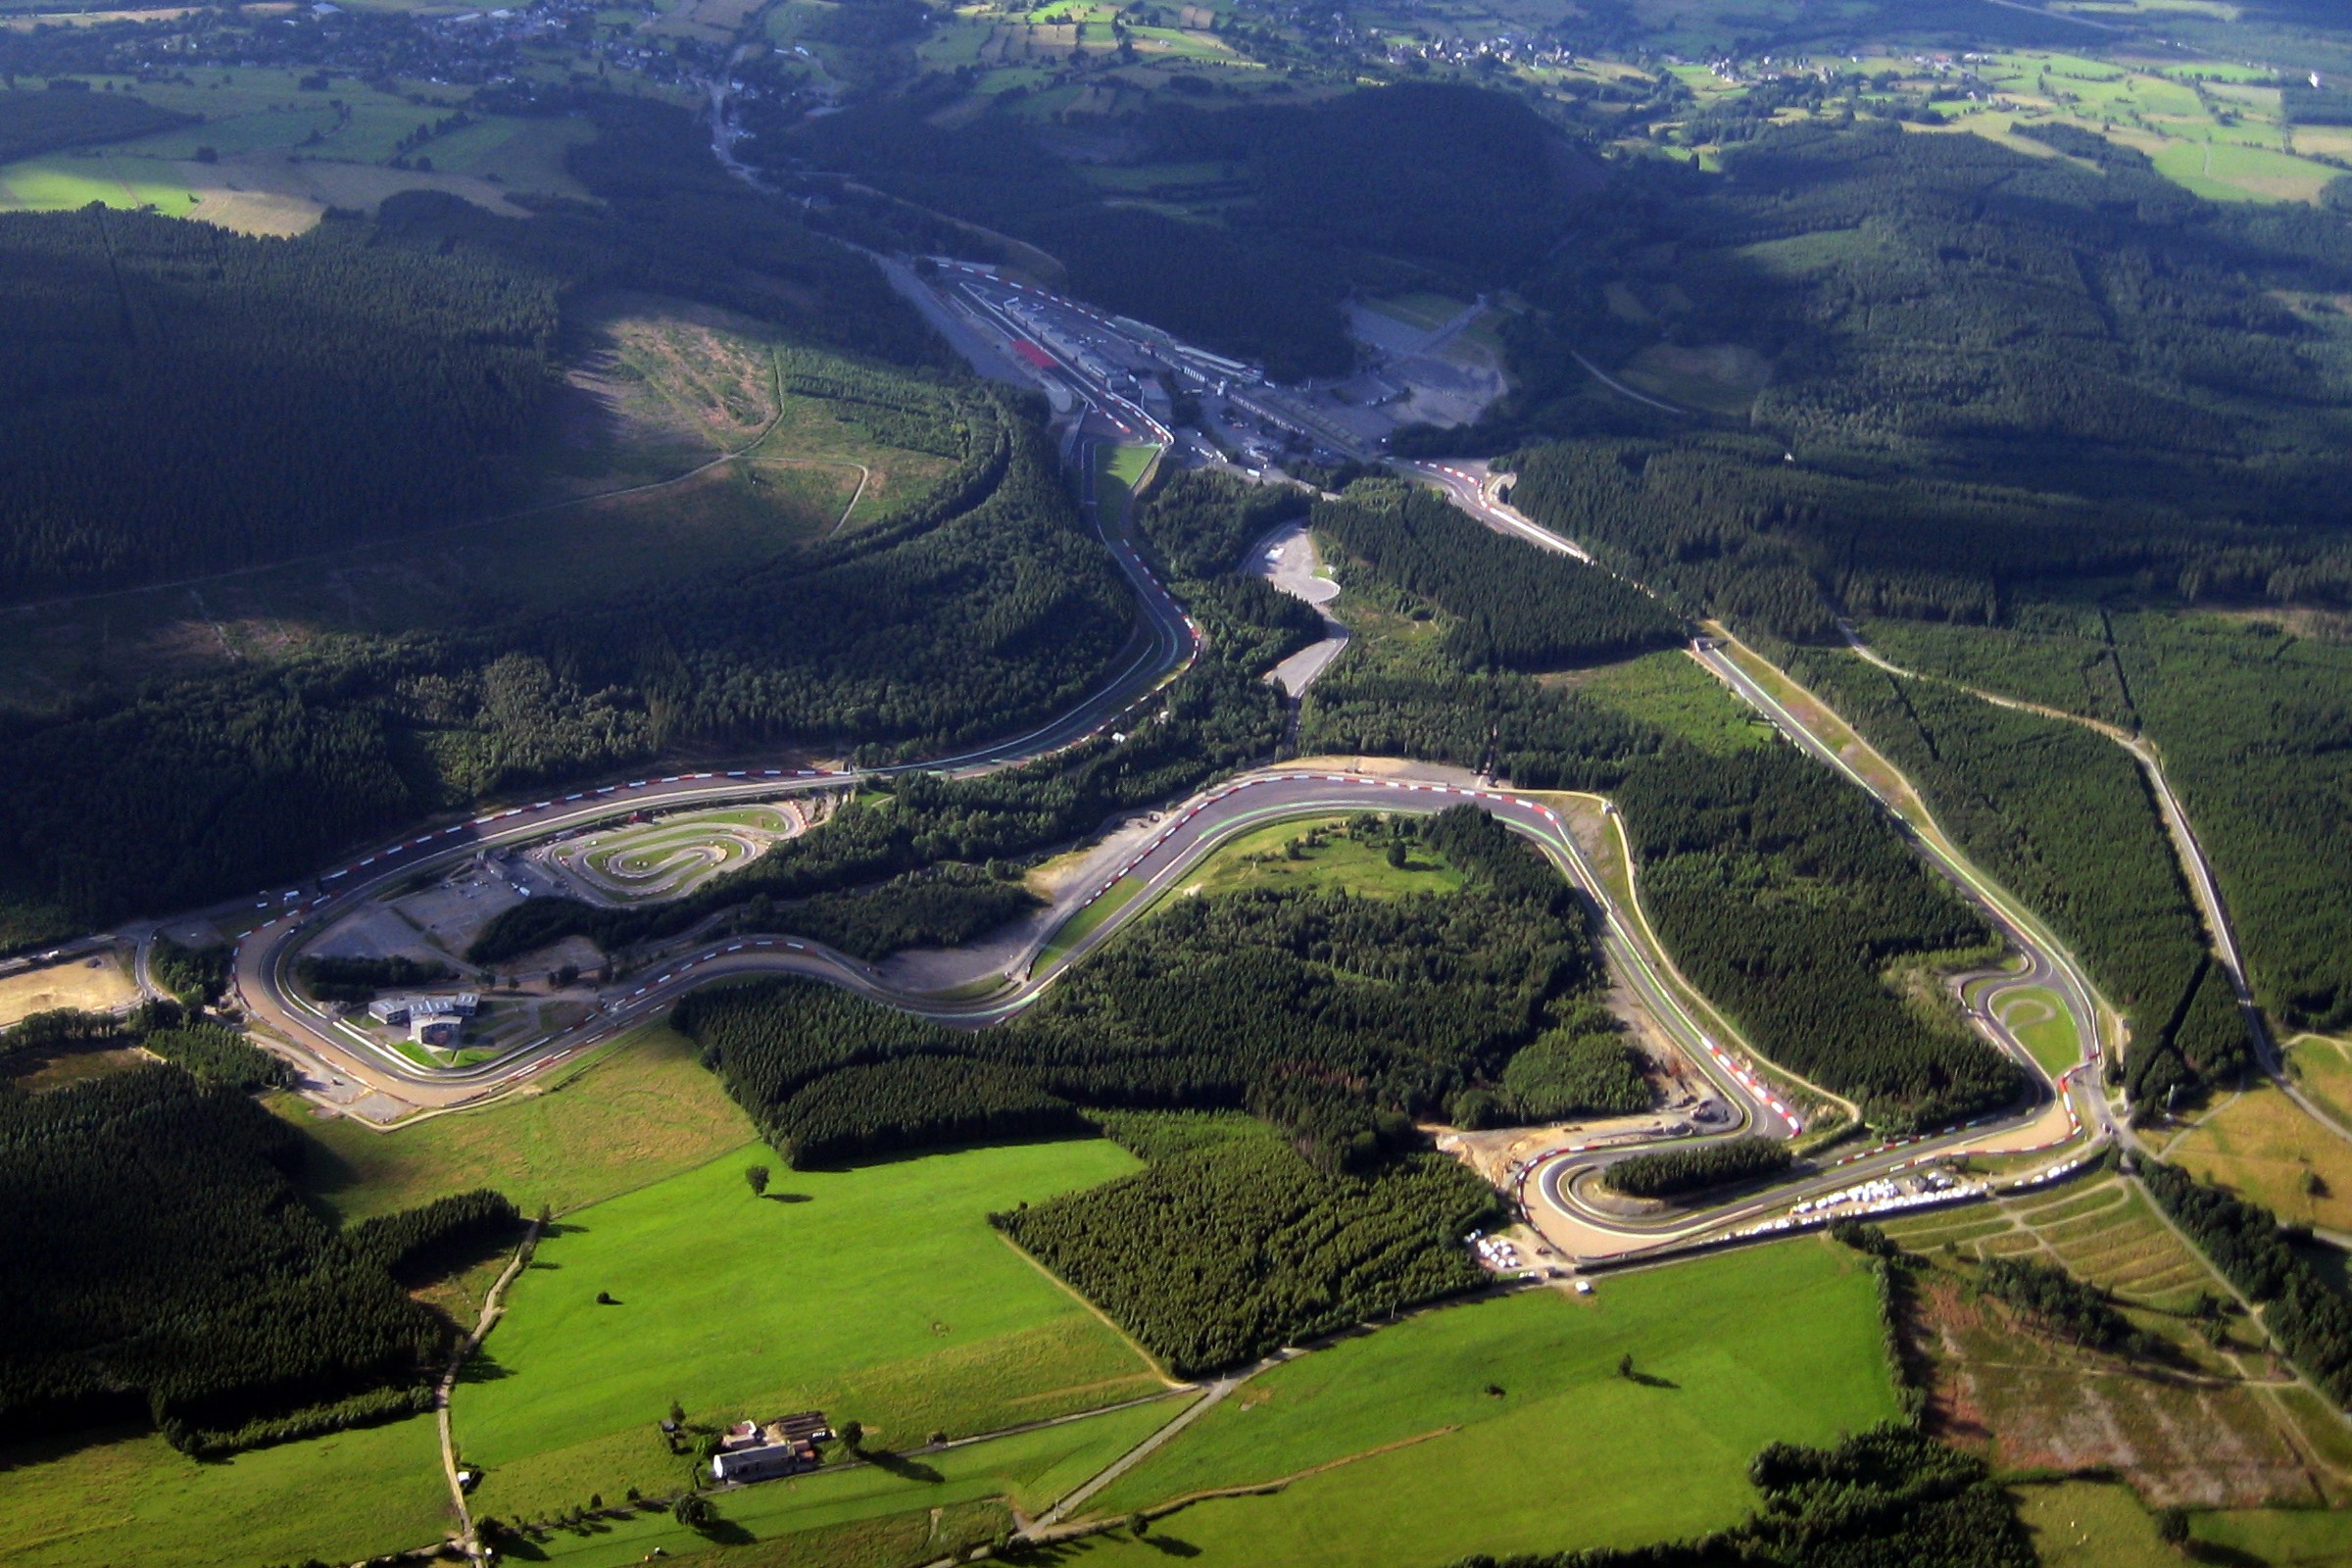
[(1554, 1187)]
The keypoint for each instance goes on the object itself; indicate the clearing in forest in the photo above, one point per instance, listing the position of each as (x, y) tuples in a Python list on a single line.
[(2210, 1418)]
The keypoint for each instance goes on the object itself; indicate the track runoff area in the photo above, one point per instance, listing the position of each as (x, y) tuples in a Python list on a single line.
[(1550, 1187)]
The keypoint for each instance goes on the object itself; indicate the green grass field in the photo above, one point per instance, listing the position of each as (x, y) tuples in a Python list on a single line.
[(2086, 1523), (66, 181), (1032, 1469), (880, 1294), (1422, 1464), (2037, 1016), (634, 1113), (137, 1502), (2282, 1537), (1339, 862), (1116, 471), (1670, 690)]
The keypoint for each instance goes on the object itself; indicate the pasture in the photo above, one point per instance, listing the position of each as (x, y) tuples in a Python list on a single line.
[(135, 1499), (2262, 1147), (899, 1501), (631, 1113), (1505, 1426), (880, 1294)]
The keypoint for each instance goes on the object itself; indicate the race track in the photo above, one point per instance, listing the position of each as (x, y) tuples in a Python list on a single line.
[(1554, 1187)]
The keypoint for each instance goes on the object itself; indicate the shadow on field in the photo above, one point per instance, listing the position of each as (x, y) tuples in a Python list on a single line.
[(2213, 1552), (905, 1469)]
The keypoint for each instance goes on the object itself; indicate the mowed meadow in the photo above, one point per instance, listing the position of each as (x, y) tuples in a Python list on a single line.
[(1506, 1426), (879, 1294)]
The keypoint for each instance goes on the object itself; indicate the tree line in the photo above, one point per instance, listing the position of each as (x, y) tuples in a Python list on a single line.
[(2064, 1304), (2311, 1319), (1676, 1172)]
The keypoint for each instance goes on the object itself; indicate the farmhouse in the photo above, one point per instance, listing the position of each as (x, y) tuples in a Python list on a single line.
[(787, 1446)]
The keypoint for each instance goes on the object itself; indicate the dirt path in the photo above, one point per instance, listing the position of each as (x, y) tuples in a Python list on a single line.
[(1217, 1394), (492, 1308)]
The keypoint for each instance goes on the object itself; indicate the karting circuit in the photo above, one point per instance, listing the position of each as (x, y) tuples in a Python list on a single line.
[(659, 837)]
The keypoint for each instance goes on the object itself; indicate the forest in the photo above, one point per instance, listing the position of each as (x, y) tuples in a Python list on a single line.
[(932, 625), (2064, 818), (1217, 715), (1580, 1065), (1783, 897), (181, 1281), (1988, 371), (1782, 894), (1677, 1172), (197, 976), (2311, 1319), (38, 122), (1558, 613), (1335, 1017), (186, 401), (1219, 1254), (2252, 720), (980, 606)]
